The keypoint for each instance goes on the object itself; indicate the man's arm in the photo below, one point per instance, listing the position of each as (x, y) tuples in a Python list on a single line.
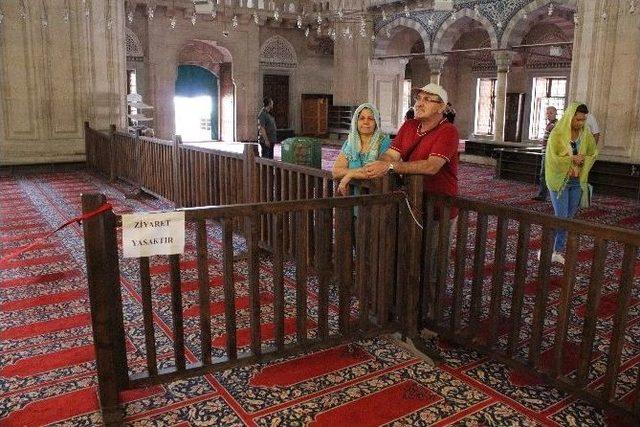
[(431, 166), (263, 134), (380, 167)]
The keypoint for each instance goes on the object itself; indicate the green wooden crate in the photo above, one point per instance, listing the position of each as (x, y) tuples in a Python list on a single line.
[(301, 150)]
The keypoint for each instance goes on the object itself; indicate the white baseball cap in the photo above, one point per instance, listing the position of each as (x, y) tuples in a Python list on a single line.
[(436, 90)]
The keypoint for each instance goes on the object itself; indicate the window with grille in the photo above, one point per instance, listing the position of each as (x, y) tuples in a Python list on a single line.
[(547, 92), (485, 106)]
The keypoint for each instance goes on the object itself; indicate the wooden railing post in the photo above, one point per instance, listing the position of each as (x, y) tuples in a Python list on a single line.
[(177, 176), (103, 274), (250, 182), (112, 153), (413, 244)]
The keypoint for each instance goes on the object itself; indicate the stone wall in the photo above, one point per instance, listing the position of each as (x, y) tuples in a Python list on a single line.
[(58, 70)]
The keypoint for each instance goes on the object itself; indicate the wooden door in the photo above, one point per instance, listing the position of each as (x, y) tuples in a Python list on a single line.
[(276, 87), (314, 115)]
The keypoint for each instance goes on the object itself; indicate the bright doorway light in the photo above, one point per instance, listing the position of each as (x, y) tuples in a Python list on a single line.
[(193, 118)]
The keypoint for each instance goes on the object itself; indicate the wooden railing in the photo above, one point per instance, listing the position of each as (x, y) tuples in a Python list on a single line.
[(482, 304), (329, 218), (449, 295)]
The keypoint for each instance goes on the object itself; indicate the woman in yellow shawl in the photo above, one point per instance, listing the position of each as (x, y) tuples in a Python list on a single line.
[(571, 152)]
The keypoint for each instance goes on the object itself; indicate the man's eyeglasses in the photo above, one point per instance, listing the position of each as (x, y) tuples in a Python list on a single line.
[(423, 98), (574, 148)]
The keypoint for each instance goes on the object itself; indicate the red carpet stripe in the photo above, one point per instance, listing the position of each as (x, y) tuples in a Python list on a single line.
[(19, 237), (267, 331), (40, 278), (39, 328), (20, 263), (54, 409), (379, 408), (43, 300), (22, 225), (47, 362), (311, 366), (140, 393), (192, 285), (217, 308)]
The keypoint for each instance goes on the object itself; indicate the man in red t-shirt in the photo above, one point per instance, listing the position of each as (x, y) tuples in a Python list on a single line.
[(426, 145)]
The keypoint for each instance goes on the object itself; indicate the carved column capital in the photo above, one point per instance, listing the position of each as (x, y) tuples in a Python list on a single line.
[(436, 62), (503, 59)]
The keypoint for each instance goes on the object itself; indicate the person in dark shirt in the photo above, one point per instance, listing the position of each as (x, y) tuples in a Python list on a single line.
[(267, 135), (552, 119)]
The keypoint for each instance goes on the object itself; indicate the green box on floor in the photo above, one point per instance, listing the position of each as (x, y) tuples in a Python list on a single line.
[(302, 150)]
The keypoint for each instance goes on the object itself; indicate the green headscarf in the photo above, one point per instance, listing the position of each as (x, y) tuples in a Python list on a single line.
[(557, 160)]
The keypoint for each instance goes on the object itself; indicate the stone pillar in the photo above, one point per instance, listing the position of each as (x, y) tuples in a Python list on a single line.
[(604, 50), (351, 61), (385, 91), (436, 65), (503, 60)]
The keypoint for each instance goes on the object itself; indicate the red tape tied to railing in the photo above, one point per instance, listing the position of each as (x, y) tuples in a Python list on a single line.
[(11, 255)]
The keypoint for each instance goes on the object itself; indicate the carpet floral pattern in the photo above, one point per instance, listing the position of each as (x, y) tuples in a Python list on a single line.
[(47, 361)]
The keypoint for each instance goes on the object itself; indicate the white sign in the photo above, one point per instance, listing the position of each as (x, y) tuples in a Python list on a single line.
[(146, 234)]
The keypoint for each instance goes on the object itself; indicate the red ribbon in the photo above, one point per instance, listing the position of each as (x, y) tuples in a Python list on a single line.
[(105, 207)]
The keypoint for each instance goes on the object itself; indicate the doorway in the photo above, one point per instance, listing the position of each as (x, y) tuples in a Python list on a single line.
[(196, 104), (276, 87)]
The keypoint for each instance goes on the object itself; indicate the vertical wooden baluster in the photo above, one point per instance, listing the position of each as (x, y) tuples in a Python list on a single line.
[(591, 316), (364, 242), (518, 286), (565, 304), (542, 293), (268, 238), (460, 270), (428, 286), (301, 275), (478, 273), (323, 262), (344, 257), (254, 285), (619, 322), (278, 281), (204, 292), (442, 261), (497, 281), (176, 311), (229, 290), (147, 313)]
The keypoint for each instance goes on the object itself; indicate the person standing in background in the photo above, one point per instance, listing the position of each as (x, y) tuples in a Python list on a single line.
[(552, 119), (267, 135)]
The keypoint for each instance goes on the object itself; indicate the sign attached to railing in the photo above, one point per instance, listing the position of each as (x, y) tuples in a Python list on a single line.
[(147, 234)]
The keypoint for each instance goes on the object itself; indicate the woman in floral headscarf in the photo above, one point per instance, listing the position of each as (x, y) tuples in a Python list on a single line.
[(364, 144), (570, 154)]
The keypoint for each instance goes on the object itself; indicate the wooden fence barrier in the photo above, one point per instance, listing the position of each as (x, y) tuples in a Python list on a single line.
[(374, 314), (483, 305)]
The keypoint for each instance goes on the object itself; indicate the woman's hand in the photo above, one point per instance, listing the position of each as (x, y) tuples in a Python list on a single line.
[(578, 159), (343, 187)]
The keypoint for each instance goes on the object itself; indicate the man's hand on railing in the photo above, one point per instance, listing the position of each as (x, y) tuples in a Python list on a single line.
[(376, 169)]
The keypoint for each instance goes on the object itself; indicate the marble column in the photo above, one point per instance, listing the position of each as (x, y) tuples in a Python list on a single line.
[(605, 76), (503, 60), (436, 65), (351, 61)]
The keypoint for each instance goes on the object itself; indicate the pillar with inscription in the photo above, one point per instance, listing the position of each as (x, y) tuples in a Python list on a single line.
[(436, 65), (351, 56), (503, 60)]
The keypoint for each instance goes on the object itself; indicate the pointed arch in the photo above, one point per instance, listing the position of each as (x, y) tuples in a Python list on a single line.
[(514, 32), (278, 52), (133, 45), (382, 43), (445, 39)]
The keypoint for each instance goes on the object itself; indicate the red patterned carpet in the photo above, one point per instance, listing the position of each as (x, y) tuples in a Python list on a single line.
[(47, 367)]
